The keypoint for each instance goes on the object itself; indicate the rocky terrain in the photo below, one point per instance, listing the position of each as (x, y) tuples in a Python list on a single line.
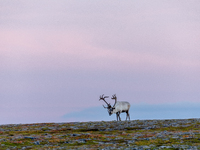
[(136, 135)]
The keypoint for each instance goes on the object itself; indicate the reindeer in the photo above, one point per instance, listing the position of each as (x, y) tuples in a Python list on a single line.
[(118, 107)]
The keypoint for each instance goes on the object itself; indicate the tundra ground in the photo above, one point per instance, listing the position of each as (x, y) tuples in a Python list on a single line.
[(135, 134)]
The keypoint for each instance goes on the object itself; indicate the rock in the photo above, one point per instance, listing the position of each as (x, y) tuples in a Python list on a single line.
[(82, 141), (140, 148), (175, 137), (108, 129), (162, 147), (75, 134), (30, 137), (131, 141), (146, 147), (74, 127), (184, 146), (29, 147), (37, 143)]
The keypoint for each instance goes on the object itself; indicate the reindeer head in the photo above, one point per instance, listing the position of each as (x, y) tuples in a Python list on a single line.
[(102, 97), (110, 110)]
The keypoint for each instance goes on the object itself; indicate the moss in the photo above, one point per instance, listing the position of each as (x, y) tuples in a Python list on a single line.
[(86, 130), (134, 128), (12, 144), (81, 144), (191, 140)]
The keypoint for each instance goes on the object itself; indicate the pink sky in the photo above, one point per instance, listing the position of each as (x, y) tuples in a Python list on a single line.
[(58, 57)]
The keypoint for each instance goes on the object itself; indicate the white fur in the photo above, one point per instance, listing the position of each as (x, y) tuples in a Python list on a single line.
[(121, 106)]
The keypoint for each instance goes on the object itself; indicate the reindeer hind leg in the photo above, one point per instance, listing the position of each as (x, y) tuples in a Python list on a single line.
[(128, 115)]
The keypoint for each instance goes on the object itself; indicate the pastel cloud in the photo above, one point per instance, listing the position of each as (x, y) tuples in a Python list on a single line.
[(170, 38), (55, 49)]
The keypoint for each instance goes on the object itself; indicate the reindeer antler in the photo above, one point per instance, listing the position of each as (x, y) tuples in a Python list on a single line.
[(115, 98), (102, 97)]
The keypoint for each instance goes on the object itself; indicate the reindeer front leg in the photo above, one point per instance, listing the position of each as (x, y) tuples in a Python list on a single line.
[(119, 116)]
